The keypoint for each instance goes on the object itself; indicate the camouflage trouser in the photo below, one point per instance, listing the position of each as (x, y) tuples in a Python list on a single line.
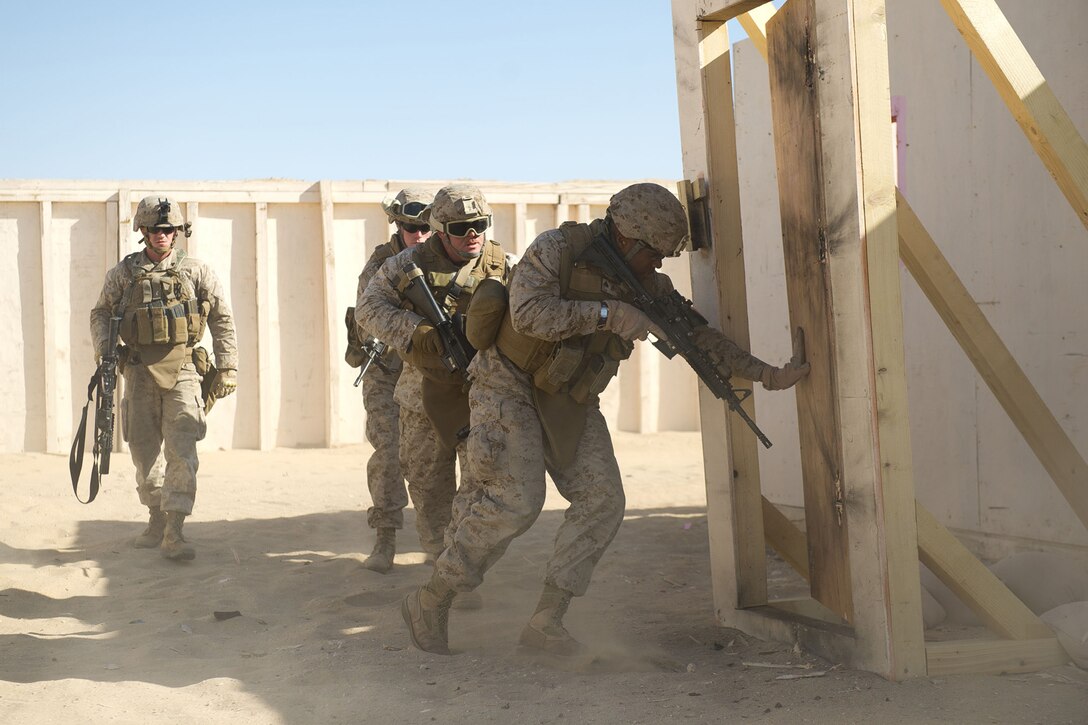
[(430, 469), (506, 491), (151, 417), (383, 476)]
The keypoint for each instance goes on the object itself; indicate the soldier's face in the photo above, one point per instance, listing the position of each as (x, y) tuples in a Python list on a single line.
[(467, 247), (161, 240), (413, 234)]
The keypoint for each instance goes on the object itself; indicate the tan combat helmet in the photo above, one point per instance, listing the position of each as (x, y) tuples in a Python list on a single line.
[(407, 205), (652, 214), (458, 203), (159, 211)]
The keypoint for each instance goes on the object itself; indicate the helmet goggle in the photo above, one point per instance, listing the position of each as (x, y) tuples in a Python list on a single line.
[(462, 228)]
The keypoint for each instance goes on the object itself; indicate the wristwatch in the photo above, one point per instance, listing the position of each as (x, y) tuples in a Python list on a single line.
[(603, 319)]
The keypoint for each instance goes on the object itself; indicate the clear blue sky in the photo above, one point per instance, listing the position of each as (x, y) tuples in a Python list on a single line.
[(504, 90)]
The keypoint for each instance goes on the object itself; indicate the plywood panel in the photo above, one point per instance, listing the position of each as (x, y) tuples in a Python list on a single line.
[(798, 137), (299, 340), (227, 239)]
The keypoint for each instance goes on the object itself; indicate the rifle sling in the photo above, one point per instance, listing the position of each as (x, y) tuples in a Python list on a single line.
[(75, 458)]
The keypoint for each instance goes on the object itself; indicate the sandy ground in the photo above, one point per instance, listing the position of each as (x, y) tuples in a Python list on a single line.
[(94, 630)]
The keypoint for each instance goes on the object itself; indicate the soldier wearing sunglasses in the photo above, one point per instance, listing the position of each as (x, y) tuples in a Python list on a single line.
[(165, 300), (535, 409), (380, 399), (455, 259)]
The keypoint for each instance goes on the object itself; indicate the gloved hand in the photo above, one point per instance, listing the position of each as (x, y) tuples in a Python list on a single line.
[(225, 383), (789, 374), (628, 321), (425, 339)]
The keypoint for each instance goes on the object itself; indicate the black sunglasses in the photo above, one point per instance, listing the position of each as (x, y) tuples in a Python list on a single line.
[(461, 229), (167, 230), (413, 228)]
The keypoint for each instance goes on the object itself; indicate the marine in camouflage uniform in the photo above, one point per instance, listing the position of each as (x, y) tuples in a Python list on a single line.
[(535, 410), (433, 402), (165, 299), (383, 469)]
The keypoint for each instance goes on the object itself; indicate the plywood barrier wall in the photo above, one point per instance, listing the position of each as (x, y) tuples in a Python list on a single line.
[(288, 285), (1002, 222)]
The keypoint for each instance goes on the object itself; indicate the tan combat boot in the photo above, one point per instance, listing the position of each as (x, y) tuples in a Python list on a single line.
[(426, 611), (152, 535), (381, 559), (173, 543), (545, 630)]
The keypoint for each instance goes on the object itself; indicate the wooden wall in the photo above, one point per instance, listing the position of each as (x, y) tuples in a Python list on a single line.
[(1005, 227), (289, 254)]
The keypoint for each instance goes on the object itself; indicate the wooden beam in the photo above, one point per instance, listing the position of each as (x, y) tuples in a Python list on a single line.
[(737, 556), (51, 332), (997, 657), (754, 23), (192, 216), (332, 319), (876, 144), (266, 376), (785, 538), (1028, 96), (720, 11), (1000, 371), (121, 249), (521, 213), (726, 291), (973, 583), (802, 150)]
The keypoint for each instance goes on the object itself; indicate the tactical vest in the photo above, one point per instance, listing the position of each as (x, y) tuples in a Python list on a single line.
[(452, 288), (581, 366), (445, 401), (161, 307)]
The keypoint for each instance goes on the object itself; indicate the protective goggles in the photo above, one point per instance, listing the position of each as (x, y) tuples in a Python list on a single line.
[(414, 228), (412, 209), (462, 229), (162, 229)]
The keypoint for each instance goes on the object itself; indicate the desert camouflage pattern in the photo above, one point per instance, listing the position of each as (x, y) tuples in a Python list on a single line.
[(457, 202), (162, 426), (409, 392), (205, 283), (383, 474), (394, 206), (535, 305), (151, 416), (148, 215), (537, 309), (378, 309), (651, 213), (505, 492), (430, 469), (381, 253)]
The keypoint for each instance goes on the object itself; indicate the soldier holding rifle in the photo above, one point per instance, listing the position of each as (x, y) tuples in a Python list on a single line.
[(381, 371), (418, 304), (572, 317), (166, 299)]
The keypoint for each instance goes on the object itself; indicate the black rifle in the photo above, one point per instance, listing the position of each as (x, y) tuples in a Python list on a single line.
[(373, 348), (105, 381), (677, 320), (458, 351)]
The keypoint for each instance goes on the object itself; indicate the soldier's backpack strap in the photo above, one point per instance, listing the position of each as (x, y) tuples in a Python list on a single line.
[(578, 238)]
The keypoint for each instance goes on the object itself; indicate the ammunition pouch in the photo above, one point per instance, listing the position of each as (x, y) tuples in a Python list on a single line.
[(446, 406), (485, 313), (354, 355), (207, 372)]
